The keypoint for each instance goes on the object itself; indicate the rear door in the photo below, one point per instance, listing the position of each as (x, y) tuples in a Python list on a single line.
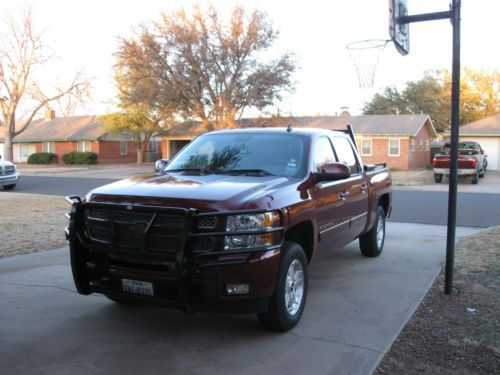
[(355, 189)]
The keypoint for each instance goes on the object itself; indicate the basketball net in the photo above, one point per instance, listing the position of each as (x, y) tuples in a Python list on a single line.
[(365, 55)]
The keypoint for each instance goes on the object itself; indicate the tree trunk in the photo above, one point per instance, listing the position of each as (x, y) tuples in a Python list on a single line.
[(8, 151), (140, 156)]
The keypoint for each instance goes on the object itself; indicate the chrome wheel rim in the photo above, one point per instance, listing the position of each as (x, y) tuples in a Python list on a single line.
[(380, 231), (294, 287)]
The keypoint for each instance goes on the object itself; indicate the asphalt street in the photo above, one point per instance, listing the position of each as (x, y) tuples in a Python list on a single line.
[(480, 210)]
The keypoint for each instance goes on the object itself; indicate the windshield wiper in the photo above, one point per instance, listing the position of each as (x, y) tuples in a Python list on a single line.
[(190, 170), (252, 172)]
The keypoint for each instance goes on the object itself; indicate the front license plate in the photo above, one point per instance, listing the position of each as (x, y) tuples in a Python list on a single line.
[(137, 287)]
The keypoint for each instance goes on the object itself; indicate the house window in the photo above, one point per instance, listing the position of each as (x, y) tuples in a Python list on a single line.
[(153, 146), (366, 147), (421, 145), (49, 147), (123, 148), (83, 146), (394, 147), (413, 145), (426, 145)]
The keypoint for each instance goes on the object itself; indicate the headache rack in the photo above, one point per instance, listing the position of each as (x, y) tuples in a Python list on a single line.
[(183, 237)]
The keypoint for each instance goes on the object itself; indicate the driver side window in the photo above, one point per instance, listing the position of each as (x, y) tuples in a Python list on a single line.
[(322, 154)]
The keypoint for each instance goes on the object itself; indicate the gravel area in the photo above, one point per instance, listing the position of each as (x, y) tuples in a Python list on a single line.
[(30, 223), (457, 333), (412, 178)]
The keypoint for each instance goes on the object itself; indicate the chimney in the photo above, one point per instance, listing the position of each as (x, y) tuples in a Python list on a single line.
[(50, 114)]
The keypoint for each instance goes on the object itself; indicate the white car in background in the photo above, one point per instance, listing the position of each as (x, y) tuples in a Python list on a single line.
[(9, 176)]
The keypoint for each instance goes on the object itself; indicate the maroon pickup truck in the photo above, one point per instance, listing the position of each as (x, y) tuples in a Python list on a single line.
[(471, 161), (231, 223)]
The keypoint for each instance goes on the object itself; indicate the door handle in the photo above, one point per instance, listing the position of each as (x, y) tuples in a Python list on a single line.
[(364, 188), (344, 195)]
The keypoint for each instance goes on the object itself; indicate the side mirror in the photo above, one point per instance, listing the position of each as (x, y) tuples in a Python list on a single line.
[(160, 164), (333, 172)]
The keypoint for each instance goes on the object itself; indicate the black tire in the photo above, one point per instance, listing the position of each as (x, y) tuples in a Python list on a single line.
[(481, 174), (369, 243), (474, 178), (9, 187), (279, 317), (438, 177)]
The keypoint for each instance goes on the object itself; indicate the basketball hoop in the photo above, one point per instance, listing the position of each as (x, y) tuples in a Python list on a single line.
[(365, 55)]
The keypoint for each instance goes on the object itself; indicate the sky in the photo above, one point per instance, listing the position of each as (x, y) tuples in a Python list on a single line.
[(84, 34)]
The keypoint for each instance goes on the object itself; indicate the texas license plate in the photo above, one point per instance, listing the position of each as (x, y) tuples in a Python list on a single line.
[(137, 287)]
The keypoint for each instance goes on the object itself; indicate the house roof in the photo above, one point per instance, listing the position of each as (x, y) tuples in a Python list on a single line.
[(71, 128), (373, 125), (489, 126)]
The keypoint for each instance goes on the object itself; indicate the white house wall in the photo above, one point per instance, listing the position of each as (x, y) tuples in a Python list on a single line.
[(491, 146)]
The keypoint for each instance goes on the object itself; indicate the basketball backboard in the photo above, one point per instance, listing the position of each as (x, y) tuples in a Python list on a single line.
[(400, 33)]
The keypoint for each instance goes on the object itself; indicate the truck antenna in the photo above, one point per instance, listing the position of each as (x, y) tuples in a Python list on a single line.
[(289, 129)]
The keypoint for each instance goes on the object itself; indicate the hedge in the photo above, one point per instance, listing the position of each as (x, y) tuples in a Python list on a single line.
[(42, 158), (76, 157)]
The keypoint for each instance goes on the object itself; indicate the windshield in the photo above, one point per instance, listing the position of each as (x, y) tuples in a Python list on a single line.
[(280, 154)]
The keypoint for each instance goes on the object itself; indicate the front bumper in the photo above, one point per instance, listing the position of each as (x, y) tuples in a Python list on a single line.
[(180, 280), (9, 179), (460, 172)]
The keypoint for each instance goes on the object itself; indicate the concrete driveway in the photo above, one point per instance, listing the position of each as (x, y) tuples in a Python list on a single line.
[(489, 184), (356, 307)]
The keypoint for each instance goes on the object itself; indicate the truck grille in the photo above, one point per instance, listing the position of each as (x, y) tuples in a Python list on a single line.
[(7, 170), (141, 231)]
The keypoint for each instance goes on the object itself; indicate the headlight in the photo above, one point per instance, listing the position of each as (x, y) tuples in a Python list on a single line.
[(251, 222)]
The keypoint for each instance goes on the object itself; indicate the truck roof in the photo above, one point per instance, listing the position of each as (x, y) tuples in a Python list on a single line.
[(275, 130)]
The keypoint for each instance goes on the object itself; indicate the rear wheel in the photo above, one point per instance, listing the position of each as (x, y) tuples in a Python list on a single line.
[(438, 177), (9, 187), (475, 178), (289, 298), (481, 174), (371, 243)]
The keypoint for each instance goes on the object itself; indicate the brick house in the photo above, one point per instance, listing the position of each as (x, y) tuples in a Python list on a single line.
[(60, 135), (403, 141)]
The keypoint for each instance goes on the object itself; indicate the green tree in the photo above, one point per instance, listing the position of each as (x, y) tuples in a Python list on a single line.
[(136, 123), (479, 97), (198, 67)]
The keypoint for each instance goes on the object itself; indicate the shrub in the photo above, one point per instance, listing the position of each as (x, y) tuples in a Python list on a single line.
[(42, 158), (76, 157)]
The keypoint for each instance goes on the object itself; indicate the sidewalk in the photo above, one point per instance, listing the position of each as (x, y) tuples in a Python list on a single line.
[(356, 308)]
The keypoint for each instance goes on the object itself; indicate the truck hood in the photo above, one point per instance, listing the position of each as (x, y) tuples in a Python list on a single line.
[(214, 192)]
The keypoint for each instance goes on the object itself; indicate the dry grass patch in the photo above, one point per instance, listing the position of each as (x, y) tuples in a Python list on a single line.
[(412, 178), (458, 333), (30, 223)]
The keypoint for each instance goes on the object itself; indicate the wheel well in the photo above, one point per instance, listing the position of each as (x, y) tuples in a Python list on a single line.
[(384, 203), (302, 234)]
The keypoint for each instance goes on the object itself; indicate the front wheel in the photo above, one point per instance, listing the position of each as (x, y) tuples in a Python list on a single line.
[(9, 187), (438, 177), (289, 298), (371, 243)]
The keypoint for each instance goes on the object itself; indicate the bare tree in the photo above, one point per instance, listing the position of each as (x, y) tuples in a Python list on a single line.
[(22, 51), (202, 68)]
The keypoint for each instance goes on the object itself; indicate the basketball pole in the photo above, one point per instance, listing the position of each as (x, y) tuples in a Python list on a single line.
[(455, 115), (454, 16)]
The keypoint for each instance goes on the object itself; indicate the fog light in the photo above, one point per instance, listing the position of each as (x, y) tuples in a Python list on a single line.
[(237, 289)]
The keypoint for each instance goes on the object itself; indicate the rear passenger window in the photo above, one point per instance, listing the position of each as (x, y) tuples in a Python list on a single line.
[(346, 154), (323, 154)]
